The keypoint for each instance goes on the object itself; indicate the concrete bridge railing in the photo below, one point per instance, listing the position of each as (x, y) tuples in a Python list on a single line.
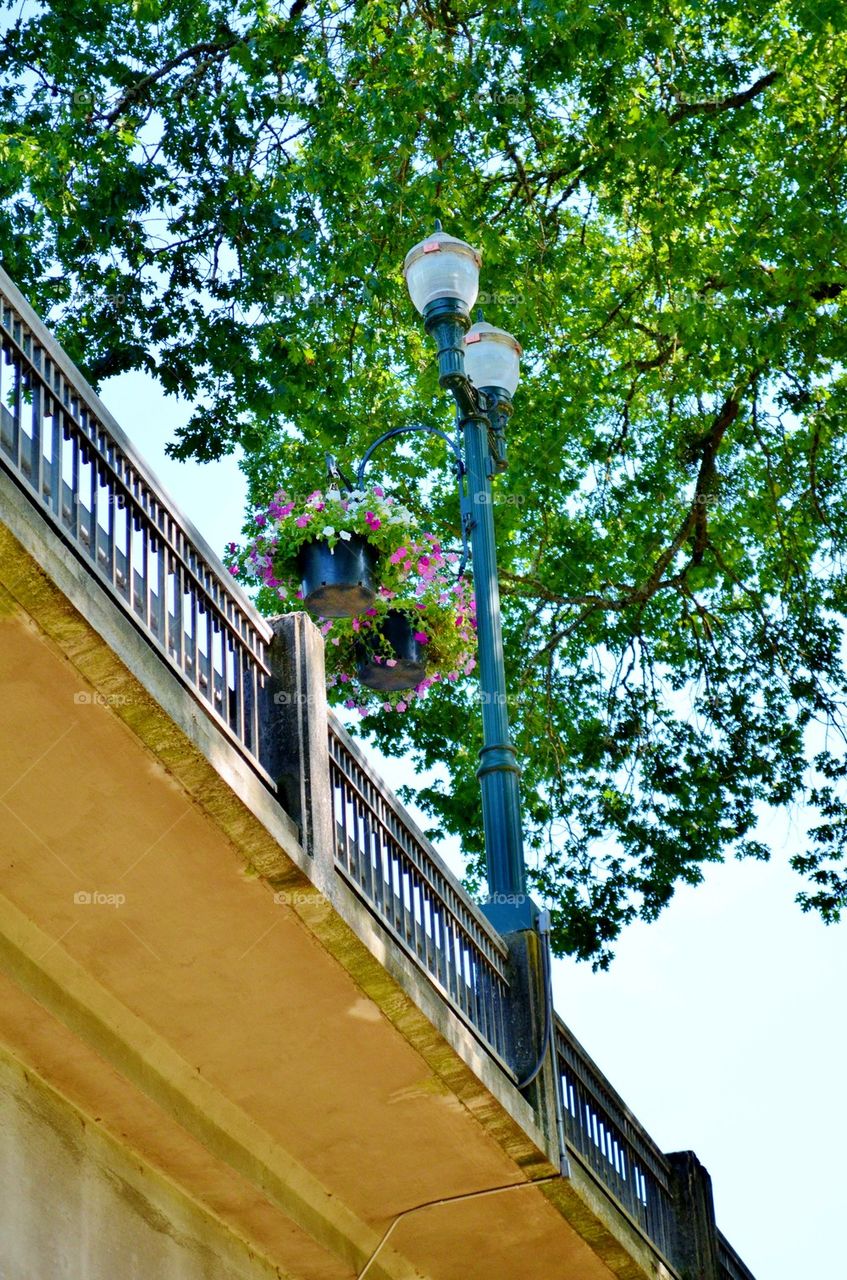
[(261, 684)]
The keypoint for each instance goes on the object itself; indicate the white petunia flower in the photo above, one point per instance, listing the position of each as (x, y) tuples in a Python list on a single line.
[(328, 531), (345, 534)]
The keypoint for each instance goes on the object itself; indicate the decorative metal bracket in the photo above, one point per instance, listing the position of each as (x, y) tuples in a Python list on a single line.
[(398, 431), (337, 474)]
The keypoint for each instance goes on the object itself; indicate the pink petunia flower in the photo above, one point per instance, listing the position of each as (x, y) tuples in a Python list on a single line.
[(421, 637)]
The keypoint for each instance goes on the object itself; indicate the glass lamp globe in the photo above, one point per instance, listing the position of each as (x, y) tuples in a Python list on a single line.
[(492, 357), (442, 267)]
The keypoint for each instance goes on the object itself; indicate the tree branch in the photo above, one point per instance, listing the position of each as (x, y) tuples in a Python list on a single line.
[(141, 86), (707, 473), (210, 47), (694, 523), (826, 292), (686, 109)]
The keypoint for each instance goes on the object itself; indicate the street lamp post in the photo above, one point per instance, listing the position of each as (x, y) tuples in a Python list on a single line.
[(480, 366)]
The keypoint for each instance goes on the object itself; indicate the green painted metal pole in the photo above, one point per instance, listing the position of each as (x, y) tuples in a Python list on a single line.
[(509, 907)]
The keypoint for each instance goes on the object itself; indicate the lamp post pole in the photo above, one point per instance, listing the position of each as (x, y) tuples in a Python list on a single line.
[(479, 365)]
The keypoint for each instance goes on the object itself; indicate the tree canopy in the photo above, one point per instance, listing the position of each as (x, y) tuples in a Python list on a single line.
[(222, 194)]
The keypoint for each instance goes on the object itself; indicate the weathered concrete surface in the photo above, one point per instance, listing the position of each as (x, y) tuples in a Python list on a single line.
[(76, 1203), (282, 1062)]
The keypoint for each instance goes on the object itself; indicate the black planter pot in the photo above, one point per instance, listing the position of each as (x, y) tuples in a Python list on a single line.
[(410, 656), (338, 582)]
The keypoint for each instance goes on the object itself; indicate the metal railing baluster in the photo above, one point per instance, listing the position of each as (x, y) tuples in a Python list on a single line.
[(400, 876)]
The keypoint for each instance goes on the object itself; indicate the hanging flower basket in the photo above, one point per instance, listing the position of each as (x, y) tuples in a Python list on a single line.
[(407, 640), (337, 582), (397, 640), (326, 549)]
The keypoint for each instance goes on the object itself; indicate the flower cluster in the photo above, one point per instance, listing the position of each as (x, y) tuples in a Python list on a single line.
[(442, 611), (270, 554), (416, 577)]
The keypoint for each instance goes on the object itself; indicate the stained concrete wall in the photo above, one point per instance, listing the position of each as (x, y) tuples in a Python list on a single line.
[(76, 1206)]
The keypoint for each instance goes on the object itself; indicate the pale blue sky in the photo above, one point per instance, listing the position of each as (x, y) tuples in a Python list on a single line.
[(721, 1025)]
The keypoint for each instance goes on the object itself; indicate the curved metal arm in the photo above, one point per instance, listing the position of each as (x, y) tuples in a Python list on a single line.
[(398, 431), (458, 459)]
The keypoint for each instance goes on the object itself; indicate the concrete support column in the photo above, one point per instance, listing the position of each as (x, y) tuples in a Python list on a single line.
[(697, 1234), (293, 729)]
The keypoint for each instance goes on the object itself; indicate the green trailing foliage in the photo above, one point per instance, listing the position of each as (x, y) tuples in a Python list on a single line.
[(222, 195)]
